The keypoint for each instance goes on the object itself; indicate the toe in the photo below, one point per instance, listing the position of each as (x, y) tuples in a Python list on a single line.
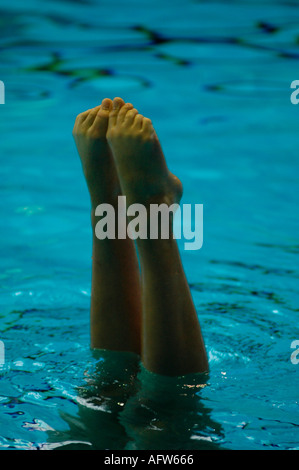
[(147, 127), (100, 123), (117, 104), (138, 121), (147, 124), (89, 119), (106, 105), (130, 116), (123, 111), (80, 120)]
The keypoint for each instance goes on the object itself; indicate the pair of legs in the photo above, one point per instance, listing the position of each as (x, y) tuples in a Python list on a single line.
[(144, 307)]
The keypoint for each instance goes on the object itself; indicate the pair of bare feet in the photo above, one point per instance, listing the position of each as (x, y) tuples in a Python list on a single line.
[(142, 305), (115, 140)]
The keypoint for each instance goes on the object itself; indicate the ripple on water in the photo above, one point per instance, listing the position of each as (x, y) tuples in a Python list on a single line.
[(54, 393)]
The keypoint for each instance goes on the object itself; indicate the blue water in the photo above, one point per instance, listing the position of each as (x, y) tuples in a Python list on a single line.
[(215, 78)]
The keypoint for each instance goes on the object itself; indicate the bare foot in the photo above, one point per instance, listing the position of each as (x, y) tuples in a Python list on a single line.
[(141, 166), (89, 133)]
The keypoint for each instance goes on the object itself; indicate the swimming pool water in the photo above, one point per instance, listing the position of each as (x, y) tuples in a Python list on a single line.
[(215, 79)]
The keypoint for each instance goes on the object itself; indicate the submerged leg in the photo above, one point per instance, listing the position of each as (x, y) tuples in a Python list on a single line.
[(172, 342), (116, 293)]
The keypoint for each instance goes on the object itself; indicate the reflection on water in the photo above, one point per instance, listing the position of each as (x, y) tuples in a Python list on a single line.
[(122, 408)]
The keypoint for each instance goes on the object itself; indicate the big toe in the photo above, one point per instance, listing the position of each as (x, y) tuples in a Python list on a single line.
[(117, 104), (106, 105), (100, 124)]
